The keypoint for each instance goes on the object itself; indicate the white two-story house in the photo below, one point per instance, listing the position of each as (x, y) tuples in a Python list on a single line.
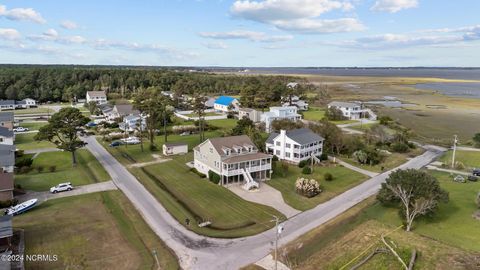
[(235, 159), (295, 145), (350, 110), (97, 96), (278, 113)]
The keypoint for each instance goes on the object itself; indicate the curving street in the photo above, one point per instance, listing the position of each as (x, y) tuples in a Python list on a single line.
[(199, 252)]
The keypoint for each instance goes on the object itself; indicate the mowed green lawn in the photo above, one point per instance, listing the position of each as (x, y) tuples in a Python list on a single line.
[(343, 180), (471, 159), (33, 125), (93, 231), (39, 110), (129, 154), (27, 142), (391, 161), (87, 171), (453, 224), (224, 124), (186, 195), (314, 114)]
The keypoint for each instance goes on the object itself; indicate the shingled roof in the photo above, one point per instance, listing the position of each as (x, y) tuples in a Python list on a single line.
[(301, 136)]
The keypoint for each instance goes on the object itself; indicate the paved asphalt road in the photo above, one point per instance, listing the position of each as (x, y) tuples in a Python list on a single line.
[(198, 252)]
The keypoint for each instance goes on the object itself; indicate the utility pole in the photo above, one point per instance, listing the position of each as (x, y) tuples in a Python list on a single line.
[(278, 231), (455, 141)]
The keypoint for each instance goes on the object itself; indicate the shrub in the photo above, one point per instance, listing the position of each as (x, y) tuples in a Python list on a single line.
[(307, 187), (385, 120), (23, 162), (283, 169), (214, 177), (24, 169), (8, 203), (328, 177), (19, 153), (323, 156), (52, 168), (302, 163), (195, 171), (275, 158), (459, 166), (306, 170), (153, 147), (39, 168), (400, 147)]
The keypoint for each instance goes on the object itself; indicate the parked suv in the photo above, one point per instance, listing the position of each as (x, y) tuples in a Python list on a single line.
[(61, 187)]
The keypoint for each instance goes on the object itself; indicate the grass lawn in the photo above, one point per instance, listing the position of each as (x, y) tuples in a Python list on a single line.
[(363, 127), (32, 125), (93, 231), (347, 239), (186, 195), (470, 159), (39, 110), (448, 240), (133, 154), (225, 124), (206, 114), (314, 114), (26, 142), (343, 179), (344, 122), (391, 161), (87, 171)]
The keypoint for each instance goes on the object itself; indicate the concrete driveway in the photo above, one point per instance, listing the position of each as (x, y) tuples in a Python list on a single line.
[(79, 190), (265, 195), (199, 252)]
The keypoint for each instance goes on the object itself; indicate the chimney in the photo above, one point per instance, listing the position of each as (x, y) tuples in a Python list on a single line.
[(283, 132)]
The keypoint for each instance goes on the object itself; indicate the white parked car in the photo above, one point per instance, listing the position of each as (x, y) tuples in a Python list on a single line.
[(131, 140), (61, 187), (20, 129)]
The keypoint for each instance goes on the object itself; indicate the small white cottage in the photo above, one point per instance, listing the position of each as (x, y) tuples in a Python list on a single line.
[(170, 149)]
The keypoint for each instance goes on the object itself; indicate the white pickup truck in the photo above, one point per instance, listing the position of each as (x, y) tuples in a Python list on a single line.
[(20, 129)]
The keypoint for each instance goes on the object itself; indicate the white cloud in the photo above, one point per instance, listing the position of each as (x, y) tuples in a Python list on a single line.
[(443, 37), (248, 35), (70, 25), (298, 15), (172, 53), (52, 35), (21, 14), (394, 6), (9, 34), (216, 45), (309, 26)]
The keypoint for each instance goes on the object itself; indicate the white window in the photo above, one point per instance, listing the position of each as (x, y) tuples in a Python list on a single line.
[(287, 154), (277, 152), (287, 145), (277, 143)]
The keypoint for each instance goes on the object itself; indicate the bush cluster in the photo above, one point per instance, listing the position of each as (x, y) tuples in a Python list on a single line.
[(307, 187)]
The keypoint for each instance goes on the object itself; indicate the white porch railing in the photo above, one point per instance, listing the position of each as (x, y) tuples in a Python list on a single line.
[(250, 169)]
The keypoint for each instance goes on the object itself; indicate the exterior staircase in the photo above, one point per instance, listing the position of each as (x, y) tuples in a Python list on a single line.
[(249, 182), (371, 115)]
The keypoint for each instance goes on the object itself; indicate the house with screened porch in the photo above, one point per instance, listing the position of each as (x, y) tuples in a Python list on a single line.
[(235, 159)]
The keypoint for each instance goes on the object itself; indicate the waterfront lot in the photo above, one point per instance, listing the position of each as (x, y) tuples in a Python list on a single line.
[(391, 161), (87, 171), (94, 231), (470, 159)]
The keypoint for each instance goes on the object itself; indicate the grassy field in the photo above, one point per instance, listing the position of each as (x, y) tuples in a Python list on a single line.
[(132, 153), (343, 179), (470, 159), (39, 110), (32, 125), (206, 114), (94, 231), (448, 240), (186, 195), (87, 171), (27, 142), (314, 114), (391, 161), (224, 124)]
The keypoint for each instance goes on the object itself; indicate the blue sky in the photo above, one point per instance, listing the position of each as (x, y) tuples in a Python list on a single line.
[(241, 32)]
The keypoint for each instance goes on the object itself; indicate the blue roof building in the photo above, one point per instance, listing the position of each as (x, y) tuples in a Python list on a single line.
[(223, 102)]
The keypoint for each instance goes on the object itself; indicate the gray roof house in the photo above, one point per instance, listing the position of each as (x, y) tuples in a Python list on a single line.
[(295, 145), (7, 157), (6, 135)]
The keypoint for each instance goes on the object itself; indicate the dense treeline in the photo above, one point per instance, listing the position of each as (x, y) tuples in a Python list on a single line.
[(64, 83)]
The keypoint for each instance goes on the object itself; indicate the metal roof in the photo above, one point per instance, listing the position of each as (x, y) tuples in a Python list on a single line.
[(6, 116), (7, 155), (5, 132), (343, 104), (224, 100), (301, 136)]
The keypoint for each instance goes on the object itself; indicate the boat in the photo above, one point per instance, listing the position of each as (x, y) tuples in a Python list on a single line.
[(21, 207)]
